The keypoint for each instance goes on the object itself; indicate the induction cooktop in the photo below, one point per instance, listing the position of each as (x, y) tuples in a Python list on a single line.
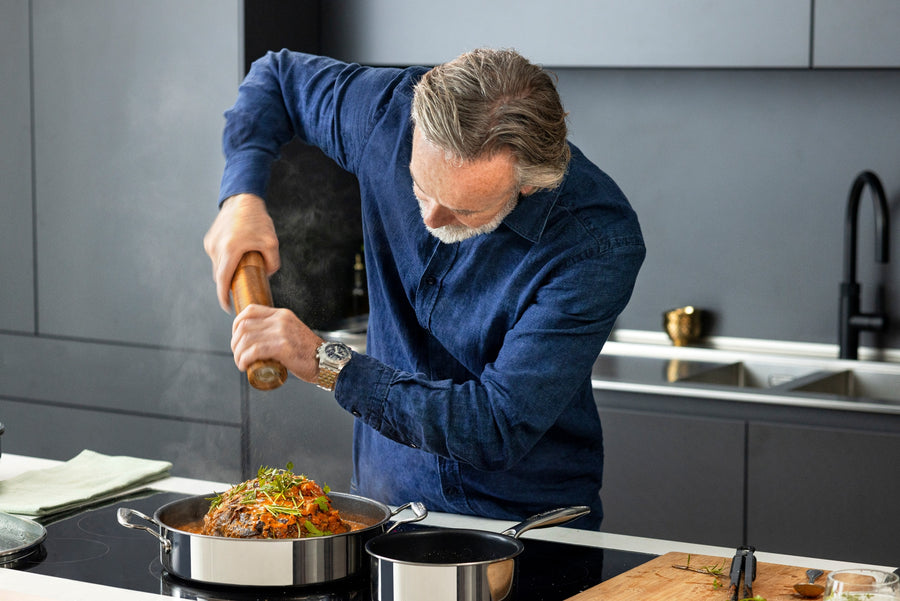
[(92, 547)]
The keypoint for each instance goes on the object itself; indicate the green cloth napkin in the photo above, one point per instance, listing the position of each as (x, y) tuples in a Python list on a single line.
[(87, 478)]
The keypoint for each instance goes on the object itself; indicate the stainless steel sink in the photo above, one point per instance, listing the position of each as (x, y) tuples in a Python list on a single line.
[(751, 377), (856, 384), (746, 374)]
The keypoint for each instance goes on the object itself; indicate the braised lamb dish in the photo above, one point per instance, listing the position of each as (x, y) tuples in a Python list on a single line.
[(275, 504)]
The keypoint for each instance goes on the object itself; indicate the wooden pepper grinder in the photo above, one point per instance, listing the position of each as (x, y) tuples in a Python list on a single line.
[(250, 286)]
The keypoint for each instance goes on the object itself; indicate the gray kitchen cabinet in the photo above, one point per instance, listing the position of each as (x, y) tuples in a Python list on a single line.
[(110, 159), (16, 247), (824, 492), (127, 153), (209, 451), (573, 33), (793, 479), (853, 34), (61, 396), (142, 381), (673, 477)]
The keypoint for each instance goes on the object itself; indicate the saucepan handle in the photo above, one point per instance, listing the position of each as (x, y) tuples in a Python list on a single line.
[(419, 513), (124, 513), (547, 518)]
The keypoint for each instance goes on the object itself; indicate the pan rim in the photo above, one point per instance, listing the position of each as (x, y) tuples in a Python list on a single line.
[(25, 536), (398, 538)]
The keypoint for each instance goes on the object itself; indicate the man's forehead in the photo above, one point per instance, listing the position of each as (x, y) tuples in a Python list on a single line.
[(472, 187)]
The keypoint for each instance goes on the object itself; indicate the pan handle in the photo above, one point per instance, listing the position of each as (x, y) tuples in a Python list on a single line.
[(124, 513), (547, 518), (419, 513)]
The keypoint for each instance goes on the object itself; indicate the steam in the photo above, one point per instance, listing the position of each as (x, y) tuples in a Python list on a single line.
[(315, 206)]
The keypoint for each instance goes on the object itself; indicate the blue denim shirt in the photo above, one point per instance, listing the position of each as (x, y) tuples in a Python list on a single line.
[(474, 395)]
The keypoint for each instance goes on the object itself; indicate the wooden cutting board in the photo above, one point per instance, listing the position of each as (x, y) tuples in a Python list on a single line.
[(658, 580)]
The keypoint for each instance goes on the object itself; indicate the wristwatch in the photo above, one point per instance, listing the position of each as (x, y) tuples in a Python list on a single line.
[(333, 356)]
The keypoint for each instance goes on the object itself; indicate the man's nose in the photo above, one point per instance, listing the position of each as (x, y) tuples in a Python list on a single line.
[(435, 216)]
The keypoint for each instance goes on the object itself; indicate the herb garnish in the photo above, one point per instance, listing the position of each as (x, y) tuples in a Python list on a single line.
[(280, 493)]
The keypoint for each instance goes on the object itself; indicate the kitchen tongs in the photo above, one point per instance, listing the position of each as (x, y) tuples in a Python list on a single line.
[(743, 572)]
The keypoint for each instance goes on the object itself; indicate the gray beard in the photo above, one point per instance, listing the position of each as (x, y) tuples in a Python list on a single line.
[(450, 234)]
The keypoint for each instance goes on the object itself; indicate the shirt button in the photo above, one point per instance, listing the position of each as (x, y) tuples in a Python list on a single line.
[(356, 413), (413, 445), (431, 280)]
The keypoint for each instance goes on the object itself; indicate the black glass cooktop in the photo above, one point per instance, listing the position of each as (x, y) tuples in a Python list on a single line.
[(93, 547)]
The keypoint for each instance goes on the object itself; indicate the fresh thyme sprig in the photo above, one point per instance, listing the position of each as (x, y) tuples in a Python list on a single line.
[(713, 570)]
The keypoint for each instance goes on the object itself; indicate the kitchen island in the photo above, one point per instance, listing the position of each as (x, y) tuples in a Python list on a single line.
[(28, 586)]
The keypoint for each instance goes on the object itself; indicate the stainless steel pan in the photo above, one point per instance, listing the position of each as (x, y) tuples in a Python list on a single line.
[(447, 564), (265, 562)]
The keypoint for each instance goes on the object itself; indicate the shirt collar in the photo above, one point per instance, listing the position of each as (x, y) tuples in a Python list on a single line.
[(529, 218)]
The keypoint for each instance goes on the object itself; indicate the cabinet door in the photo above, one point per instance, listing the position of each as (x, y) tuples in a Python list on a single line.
[(604, 33), (128, 102), (209, 451), (850, 33), (673, 477), (16, 241), (823, 492)]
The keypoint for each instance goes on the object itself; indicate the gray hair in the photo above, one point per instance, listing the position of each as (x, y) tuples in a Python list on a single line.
[(489, 100)]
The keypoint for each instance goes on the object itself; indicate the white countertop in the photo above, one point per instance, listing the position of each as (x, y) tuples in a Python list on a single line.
[(17, 585)]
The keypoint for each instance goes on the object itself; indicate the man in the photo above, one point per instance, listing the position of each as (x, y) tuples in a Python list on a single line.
[(498, 258)]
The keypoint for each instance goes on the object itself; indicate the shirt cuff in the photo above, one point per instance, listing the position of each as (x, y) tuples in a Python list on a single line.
[(362, 389), (247, 173)]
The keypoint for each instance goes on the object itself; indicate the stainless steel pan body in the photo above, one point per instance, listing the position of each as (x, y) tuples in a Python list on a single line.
[(265, 562)]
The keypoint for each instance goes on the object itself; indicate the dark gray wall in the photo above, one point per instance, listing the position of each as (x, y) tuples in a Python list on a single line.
[(741, 178)]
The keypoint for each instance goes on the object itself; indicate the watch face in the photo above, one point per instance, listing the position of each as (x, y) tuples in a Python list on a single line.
[(336, 351)]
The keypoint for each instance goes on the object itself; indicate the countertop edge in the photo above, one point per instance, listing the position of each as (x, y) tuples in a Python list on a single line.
[(723, 393)]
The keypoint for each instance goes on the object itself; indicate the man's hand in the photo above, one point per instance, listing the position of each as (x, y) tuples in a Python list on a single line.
[(242, 225), (262, 332)]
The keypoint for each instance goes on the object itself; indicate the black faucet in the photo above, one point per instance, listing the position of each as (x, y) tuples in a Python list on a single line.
[(851, 320)]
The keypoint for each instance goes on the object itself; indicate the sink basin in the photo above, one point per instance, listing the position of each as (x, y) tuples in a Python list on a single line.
[(745, 374), (856, 384), (646, 369)]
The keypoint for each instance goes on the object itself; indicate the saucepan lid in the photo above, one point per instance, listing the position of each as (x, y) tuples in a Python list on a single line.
[(18, 537)]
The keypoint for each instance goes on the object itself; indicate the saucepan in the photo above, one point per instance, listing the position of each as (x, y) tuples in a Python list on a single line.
[(265, 562), (453, 564)]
